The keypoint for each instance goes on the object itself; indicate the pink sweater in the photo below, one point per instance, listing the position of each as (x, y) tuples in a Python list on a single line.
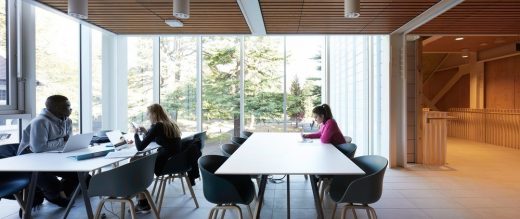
[(329, 133)]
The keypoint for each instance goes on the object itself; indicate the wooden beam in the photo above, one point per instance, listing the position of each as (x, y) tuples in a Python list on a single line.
[(429, 103), (463, 70), (500, 52), (435, 69), (430, 40)]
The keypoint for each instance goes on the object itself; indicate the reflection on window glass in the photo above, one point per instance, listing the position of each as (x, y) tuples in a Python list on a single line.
[(304, 78), (178, 80), (221, 88), (9, 131), (264, 84), (96, 68), (4, 75), (140, 78), (57, 60)]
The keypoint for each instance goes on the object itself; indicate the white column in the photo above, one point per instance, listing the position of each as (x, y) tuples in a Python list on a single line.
[(86, 80), (242, 75), (397, 101), (120, 86), (108, 72), (156, 66), (199, 84), (28, 56)]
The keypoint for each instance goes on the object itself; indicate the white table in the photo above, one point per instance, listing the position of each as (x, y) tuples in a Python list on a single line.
[(285, 154)]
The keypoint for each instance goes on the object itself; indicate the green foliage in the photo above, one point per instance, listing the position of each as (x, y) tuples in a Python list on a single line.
[(296, 101)]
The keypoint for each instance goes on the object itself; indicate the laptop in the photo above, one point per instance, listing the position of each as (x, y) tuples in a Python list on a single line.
[(76, 142), (117, 140)]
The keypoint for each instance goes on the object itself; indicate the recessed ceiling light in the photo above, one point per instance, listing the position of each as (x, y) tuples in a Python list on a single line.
[(459, 38), (483, 44), (465, 53), (174, 23)]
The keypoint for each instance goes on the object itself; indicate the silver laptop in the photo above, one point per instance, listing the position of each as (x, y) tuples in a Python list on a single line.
[(117, 140), (76, 142)]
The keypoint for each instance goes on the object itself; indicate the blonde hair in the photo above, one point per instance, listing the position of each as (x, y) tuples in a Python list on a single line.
[(158, 115)]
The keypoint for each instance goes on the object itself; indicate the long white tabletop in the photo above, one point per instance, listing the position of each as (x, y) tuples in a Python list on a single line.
[(285, 153)]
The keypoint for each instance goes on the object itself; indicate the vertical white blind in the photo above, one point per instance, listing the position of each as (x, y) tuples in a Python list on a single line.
[(359, 90)]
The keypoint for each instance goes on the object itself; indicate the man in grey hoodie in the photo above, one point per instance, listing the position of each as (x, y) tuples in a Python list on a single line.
[(50, 131)]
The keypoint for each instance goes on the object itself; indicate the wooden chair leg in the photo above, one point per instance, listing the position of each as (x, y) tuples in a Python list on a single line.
[(223, 214), (155, 184), (182, 184), (334, 210), (250, 211), (239, 212), (152, 205), (159, 189), (161, 199), (210, 216), (99, 208), (122, 210), (191, 190), (132, 209)]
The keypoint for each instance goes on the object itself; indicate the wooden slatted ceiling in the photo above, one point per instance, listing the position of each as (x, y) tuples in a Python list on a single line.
[(477, 17), (326, 16), (448, 44), (147, 16)]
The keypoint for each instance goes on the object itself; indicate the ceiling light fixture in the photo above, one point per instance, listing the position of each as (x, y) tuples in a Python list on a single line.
[(352, 8), (465, 53), (181, 9), (78, 8), (174, 23), (459, 38)]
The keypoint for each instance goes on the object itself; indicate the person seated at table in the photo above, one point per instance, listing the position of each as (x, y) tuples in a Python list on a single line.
[(166, 134), (329, 131), (49, 131)]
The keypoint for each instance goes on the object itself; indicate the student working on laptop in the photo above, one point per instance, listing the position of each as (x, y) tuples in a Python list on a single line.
[(47, 132), (165, 133)]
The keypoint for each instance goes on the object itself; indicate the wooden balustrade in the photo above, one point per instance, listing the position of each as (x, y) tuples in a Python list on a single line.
[(493, 126)]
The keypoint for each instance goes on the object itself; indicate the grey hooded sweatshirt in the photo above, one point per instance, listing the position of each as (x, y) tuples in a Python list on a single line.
[(46, 132)]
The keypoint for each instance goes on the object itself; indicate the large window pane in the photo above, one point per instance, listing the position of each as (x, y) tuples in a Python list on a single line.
[(178, 80), (264, 84), (96, 68), (140, 77), (304, 78), (4, 75), (9, 131), (221, 88), (57, 60)]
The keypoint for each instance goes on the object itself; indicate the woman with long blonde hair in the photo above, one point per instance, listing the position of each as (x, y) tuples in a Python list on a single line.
[(166, 134)]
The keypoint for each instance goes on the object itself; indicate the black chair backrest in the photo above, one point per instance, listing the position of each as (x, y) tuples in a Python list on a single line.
[(367, 189), (229, 149), (348, 149), (8, 150), (125, 180), (221, 189), (179, 163), (201, 137), (246, 134), (238, 140)]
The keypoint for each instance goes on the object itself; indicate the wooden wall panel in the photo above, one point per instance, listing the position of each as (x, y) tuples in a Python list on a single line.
[(499, 83), (457, 96), (437, 82)]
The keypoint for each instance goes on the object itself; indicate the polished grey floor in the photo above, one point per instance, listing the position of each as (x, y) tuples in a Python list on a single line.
[(480, 181)]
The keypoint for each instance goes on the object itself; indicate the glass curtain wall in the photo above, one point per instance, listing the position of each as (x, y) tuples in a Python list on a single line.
[(57, 60), (263, 84), (4, 75), (178, 80), (359, 90), (96, 68), (140, 78), (304, 80), (221, 88)]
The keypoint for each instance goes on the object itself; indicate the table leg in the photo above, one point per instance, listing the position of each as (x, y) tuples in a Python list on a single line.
[(317, 203), (82, 176), (71, 202), (30, 195), (288, 197), (261, 190)]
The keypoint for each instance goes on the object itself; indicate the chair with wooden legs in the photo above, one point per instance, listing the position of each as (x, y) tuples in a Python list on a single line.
[(121, 184)]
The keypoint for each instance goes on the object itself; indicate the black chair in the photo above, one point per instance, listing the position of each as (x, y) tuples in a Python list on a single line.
[(238, 140), (12, 184), (224, 190), (348, 149), (245, 134), (201, 136), (358, 191), (124, 182), (177, 166), (228, 149)]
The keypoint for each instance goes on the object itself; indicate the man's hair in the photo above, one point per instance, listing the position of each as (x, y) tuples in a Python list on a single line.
[(54, 99)]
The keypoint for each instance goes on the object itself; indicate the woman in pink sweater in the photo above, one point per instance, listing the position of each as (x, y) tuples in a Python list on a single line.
[(329, 131)]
